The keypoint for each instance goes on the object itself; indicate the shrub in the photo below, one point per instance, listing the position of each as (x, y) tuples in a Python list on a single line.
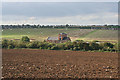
[(71, 48), (94, 46), (25, 39), (10, 47), (40, 48), (76, 45), (21, 45), (5, 43), (49, 48), (68, 45), (43, 45), (75, 48), (107, 44), (12, 43), (86, 46), (116, 47), (49, 45), (61, 46), (54, 48), (34, 44)]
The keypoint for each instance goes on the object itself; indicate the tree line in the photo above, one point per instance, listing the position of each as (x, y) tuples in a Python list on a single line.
[(107, 27), (78, 45)]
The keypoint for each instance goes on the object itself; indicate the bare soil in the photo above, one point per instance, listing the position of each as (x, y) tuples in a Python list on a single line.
[(31, 63)]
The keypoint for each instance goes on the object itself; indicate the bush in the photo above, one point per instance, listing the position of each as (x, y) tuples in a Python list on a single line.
[(117, 46), (8, 44), (40, 48), (54, 48), (94, 46), (71, 49), (68, 45), (49, 48), (61, 46), (43, 45), (34, 44), (5, 43), (12, 43), (49, 45), (21, 45), (75, 48), (107, 44), (76, 45), (10, 47), (25, 39), (86, 46)]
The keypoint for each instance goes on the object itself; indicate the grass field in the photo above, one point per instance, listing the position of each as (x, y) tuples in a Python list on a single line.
[(102, 35), (42, 34)]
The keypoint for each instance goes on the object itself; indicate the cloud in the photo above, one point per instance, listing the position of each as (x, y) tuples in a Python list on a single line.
[(101, 18), (32, 18), (60, 0), (60, 13), (56, 9)]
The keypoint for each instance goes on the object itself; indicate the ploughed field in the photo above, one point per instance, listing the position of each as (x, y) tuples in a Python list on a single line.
[(33, 63)]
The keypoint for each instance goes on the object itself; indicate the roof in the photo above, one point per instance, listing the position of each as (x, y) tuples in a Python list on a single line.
[(52, 38), (62, 33), (66, 38)]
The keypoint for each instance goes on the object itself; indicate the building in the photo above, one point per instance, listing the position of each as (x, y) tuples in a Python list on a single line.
[(62, 37)]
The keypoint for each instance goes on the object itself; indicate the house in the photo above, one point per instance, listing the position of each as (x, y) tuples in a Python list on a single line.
[(62, 37)]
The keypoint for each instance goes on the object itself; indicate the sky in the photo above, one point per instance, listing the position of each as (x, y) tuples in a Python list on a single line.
[(57, 13), (60, 0)]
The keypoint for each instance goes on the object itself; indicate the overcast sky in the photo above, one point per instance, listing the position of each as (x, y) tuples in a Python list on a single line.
[(60, 13)]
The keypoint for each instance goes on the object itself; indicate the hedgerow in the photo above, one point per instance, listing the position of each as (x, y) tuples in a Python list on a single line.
[(78, 45)]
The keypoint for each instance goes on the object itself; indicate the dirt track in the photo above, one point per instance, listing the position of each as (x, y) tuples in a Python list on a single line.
[(58, 64)]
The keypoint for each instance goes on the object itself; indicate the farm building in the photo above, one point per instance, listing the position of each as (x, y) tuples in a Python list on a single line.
[(62, 37)]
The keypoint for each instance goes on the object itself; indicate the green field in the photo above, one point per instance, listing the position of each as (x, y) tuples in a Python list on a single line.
[(102, 35), (42, 34)]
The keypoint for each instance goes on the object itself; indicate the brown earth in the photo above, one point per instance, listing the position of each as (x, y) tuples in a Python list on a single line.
[(28, 63)]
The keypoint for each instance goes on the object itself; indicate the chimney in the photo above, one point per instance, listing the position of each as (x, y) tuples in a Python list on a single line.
[(61, 36)]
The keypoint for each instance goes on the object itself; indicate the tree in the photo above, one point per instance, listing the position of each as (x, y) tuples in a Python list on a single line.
[(68, 45), (11, 44), (67, 25), (61, 46), (94, 46), (54, 48), (107, 44), (21, 45), (25, 39), (74, 43), (5, 43), (117, 47), (10, 47), (34, 44), (86, 46)]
